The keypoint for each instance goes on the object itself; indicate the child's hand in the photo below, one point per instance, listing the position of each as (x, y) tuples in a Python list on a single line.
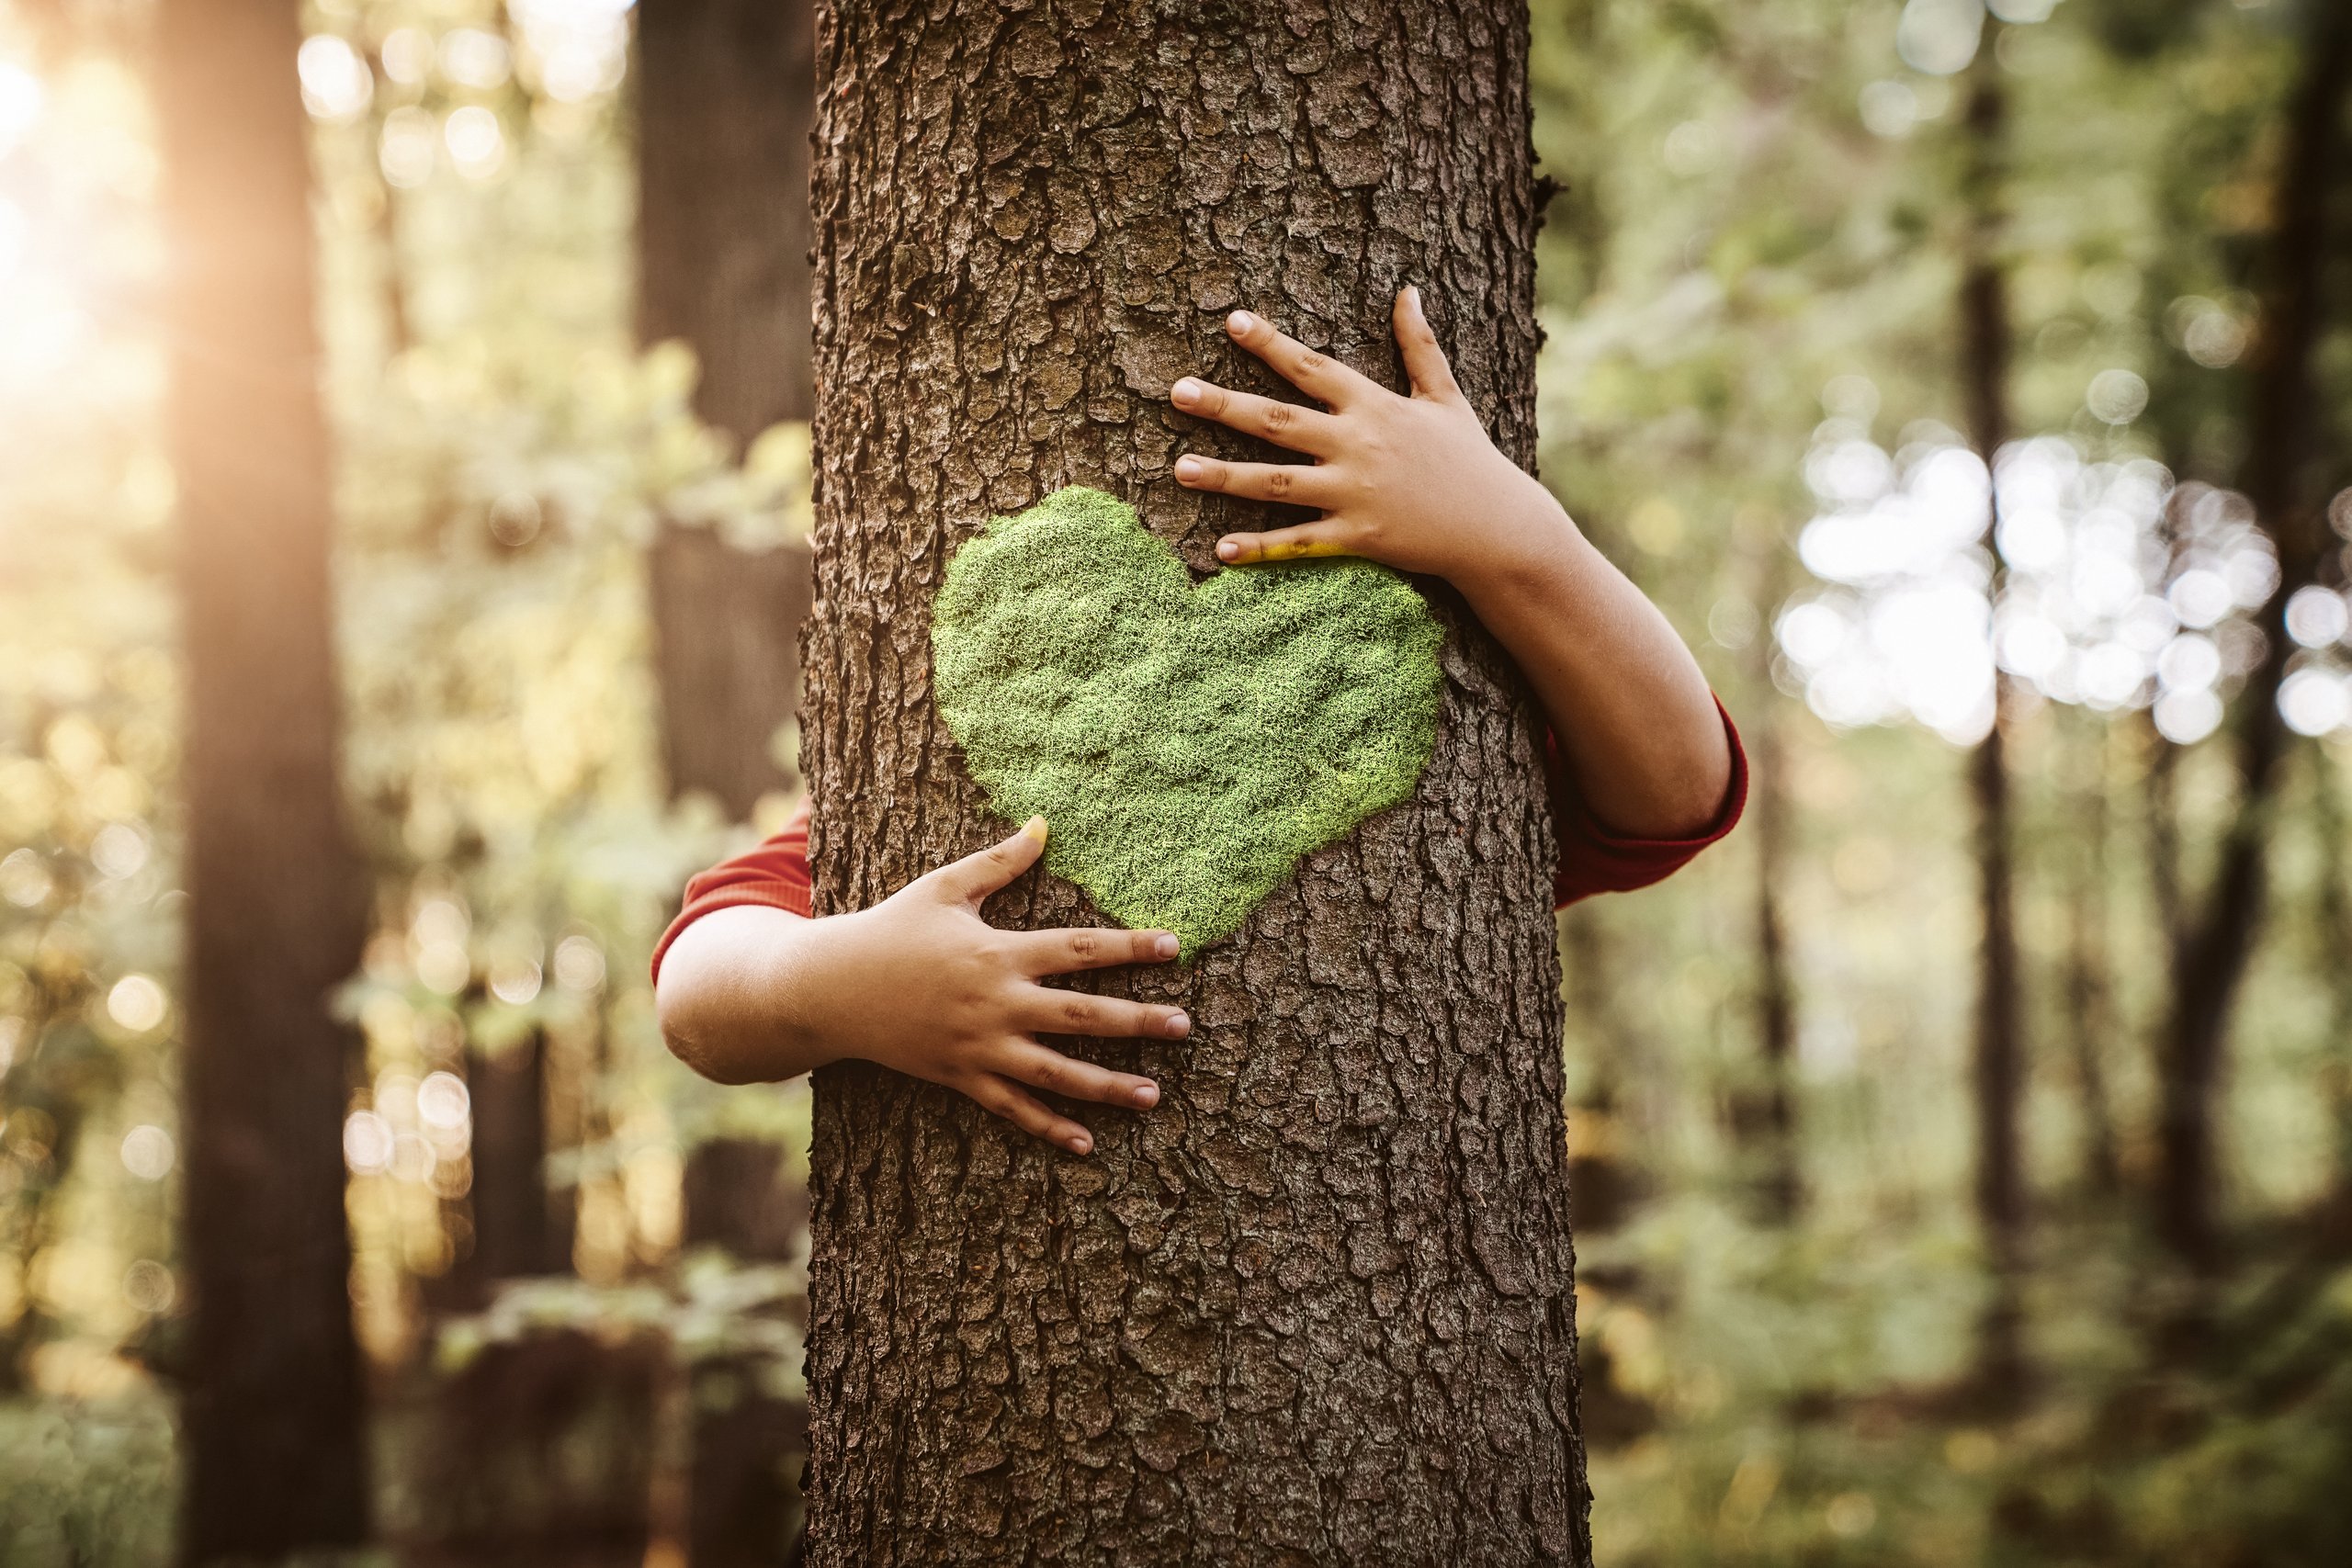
[(922, 983), (1415, 484), (1411, 483)]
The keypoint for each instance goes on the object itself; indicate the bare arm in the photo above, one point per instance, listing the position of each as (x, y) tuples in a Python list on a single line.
[(1415, 483), (918, 983)]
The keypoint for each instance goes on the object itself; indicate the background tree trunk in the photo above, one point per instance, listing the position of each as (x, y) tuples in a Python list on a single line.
[(2090, 992), (272, 1416), (520, 1228), (1999, 1066), (2335, 922), (724, 99), (1779, 1181), (1773, 1114), (742, 1502), (726, 92), (1317, 1306), (2218, 934)]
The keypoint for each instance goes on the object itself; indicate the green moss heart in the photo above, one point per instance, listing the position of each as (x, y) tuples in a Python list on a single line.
[(1187, 746)]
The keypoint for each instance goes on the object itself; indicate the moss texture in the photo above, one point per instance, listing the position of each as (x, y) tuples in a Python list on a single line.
[(1187, 745)]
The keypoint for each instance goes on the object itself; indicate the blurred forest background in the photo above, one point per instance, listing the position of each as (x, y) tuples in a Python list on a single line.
[(1963, 1152)]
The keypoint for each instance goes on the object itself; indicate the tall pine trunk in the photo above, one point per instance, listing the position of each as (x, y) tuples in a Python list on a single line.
[(1998, 1071), (1780, 1180), (274, 1408), (724, 101), (726, 92), (2218, 933), (1780, 1176), (1317, 1306), (2091, 991), (521, 1228)]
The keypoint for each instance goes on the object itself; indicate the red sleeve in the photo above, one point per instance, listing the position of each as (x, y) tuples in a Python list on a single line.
[(773, 875), (1595, 858)]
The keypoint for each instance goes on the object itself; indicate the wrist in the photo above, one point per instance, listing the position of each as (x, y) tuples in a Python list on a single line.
[(1530, 561), (806, 979)]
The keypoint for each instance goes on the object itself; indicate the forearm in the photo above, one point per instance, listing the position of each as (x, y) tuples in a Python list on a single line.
[(1636, 722), (735, 992)]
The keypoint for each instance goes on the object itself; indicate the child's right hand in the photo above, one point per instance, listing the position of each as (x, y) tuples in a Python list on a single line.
[(918, 983), (941, 994)]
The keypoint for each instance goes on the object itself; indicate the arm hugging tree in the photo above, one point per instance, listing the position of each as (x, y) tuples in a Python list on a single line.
[(1316, 1306)]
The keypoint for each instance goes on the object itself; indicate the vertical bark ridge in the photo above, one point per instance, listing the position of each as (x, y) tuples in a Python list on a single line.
[(1317, 1306)]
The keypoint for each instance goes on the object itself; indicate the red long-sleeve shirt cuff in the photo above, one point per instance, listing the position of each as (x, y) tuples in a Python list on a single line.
[(1596, 858), (773, 875)]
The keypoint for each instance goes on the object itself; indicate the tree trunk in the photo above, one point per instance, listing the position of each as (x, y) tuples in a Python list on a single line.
[(2090, 988), (742, 1502), (727, 91), (1317, 1306), (273, 1418), (1999, 1066), (519, 1227), (1781, 1184), (2218, 934), (1606, 1182), (2334, 924), (724, 98)]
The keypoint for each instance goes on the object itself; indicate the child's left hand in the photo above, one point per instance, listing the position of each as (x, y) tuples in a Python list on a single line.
[(1411, 482)]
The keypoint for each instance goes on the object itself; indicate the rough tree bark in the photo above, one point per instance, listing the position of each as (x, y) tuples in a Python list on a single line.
[(724, 102), (2217, 931), (1317, 1306), (1998, 1071), (273, 1415)]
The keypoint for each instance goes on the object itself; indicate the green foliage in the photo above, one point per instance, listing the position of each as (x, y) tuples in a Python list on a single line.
[(1753, 254), (86, 1486), (1187, 746)]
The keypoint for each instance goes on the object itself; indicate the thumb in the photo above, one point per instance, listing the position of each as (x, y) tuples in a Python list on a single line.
[(975, 876), (1424, 360)]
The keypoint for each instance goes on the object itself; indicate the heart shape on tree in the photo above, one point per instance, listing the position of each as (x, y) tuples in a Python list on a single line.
[(1187, 744)]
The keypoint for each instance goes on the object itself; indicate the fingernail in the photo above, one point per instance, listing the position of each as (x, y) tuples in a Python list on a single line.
[(1239, 321), (1146, 1094), (1079, 1145), (1186, 392), (1188, 469), (1413, 297), (1228, 550), (1165, 947), (1035, 829), (1177, 1026)]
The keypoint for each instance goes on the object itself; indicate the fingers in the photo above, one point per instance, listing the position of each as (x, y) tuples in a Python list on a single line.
[(1293, 482), (1318, 375), (1050, 1012), (1026, 1111), (1425, 363), (1325, 538), (1285, 424), (1087, 947), (1024, 1061), (975, 876)]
